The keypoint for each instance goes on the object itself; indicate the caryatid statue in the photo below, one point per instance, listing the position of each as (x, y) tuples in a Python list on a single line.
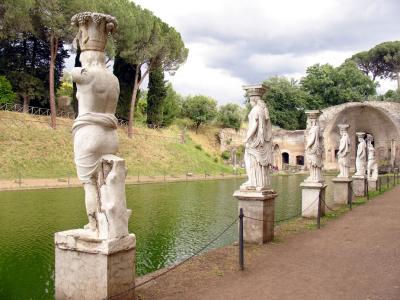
[(314, 147), (95, 130), (372, 165), (344, 151), (361, 158), (258, 142)]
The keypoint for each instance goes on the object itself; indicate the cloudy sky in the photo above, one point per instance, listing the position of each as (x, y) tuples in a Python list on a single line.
[(236, 42)]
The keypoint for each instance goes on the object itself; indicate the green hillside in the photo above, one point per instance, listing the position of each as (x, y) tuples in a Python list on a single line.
[(29, 148)]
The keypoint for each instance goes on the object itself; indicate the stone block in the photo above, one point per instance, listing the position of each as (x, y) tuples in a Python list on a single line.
[(259, 205), (342, 190), (359, 185), (93, 269), (310, 193), (372, 184)]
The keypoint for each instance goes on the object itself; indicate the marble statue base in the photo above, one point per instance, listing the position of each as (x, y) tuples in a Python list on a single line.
[(310, 192), (88, 268), (342, 190), (259, 205), (372, 184), (359, 185)]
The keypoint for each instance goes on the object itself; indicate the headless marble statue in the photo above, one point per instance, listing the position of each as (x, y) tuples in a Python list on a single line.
[(94, 130)]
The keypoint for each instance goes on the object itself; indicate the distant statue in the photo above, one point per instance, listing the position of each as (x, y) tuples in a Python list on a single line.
[(372, 166), (361, 158), (344, 151), (314, 149), (94, 130), (258, 142)]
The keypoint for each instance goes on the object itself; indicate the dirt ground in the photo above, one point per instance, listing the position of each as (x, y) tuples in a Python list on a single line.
[(356, 256)]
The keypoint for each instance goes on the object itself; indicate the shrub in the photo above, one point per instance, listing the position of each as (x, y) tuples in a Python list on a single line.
[(226, 155), (7, 96), (198, 146)]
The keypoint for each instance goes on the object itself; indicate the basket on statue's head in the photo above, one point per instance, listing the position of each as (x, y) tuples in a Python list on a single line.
[(94, 29)]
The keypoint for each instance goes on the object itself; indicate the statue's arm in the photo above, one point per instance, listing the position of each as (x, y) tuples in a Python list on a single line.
[(311, 140), (252, 129), (80, 75)]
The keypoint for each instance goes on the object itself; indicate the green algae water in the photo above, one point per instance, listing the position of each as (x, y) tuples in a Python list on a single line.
[(171, 221)]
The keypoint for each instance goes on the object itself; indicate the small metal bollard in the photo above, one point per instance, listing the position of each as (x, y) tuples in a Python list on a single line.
[(319, 212), (350, 200), (380, 184), (367, 189), (241, 246)]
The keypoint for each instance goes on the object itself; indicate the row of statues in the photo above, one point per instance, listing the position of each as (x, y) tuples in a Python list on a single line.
[(259, 148)]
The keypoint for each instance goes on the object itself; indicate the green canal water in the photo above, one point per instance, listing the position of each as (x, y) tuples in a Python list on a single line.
[(171, 221)]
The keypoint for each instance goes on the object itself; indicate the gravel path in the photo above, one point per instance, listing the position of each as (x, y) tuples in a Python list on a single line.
[(356, 256)]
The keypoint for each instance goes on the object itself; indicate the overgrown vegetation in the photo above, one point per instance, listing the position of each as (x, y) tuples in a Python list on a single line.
[(31, 149)]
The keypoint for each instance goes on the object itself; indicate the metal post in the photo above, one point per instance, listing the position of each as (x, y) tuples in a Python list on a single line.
[(241, 248), (350, 200), (319, 211), (380, 184), (387, 181), (367, 189)]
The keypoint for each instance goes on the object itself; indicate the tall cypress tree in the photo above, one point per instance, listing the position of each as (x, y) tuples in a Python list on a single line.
[(155, 97), (124, 72)]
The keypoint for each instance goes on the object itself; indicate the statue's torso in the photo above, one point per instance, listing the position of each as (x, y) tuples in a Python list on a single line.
[(99, 93)]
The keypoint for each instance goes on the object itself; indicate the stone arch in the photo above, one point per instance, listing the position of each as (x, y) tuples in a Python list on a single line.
[(381, 119)]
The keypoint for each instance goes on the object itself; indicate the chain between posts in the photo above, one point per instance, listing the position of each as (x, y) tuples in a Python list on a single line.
[(176, 265)]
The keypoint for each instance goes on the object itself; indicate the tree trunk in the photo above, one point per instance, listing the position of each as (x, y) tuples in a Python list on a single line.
[(53, 54), (133, 100), (398, 81), (136, 86), (25, 108), (78, 63)]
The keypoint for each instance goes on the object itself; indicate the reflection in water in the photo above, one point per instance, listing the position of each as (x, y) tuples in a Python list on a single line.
[(171, 221)]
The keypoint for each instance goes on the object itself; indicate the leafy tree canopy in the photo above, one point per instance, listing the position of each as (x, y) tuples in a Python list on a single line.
[(200, 109), (329, 86), (230, 115), (286, 102)]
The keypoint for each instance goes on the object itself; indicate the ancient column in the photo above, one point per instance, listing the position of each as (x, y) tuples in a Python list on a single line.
[(313, 187), (342, 183), (255, 196), (372, 165), (359, 178), (97, 261)]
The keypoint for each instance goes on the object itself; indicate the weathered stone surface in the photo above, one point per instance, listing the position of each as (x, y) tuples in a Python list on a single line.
[(342, 190), (344, 152), (258, 141), (259, 205), (310, 192), (359, 185), (314, 147), (372, 184), (94, 269)]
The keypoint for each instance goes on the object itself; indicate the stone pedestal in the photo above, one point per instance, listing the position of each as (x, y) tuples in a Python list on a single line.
[(310, 192), (259, 205), (372, 184), (359, 185), (341, 190), (88, 268)]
